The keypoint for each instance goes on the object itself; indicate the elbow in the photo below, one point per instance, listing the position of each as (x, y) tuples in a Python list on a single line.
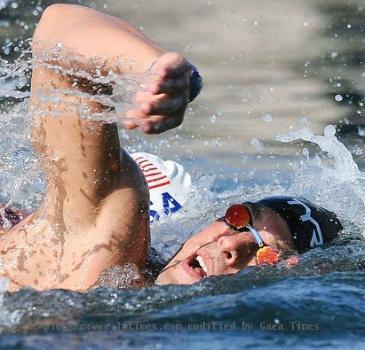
[(47, 31), (54, 9), (56, 12), (51, 15), (53, 18), (47, 23)]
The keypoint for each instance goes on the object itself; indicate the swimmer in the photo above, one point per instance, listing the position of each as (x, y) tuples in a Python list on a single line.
[(252, 233), (95, 214)]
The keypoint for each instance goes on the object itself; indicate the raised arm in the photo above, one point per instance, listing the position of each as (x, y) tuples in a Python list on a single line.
[(95, 214)]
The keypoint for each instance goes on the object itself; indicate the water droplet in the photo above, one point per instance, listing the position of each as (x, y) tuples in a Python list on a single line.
[(329, 131), (267, 118), (356, 150), (338, 98), (361, 132), (257, 144)]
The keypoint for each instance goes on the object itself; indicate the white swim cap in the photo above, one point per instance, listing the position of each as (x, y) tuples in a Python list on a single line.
[(168, 182)]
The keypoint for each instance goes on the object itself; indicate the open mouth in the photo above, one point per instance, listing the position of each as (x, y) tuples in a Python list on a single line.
[(198, 265)]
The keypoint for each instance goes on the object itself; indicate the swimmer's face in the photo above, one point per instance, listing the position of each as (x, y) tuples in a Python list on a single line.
[(220, 250)]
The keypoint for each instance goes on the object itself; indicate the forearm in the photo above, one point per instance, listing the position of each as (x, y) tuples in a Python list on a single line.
[(78, 37), (75, 152), (78, 154), (94, 39)]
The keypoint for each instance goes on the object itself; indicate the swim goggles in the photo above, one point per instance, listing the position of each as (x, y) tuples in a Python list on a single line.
[(239, 218)]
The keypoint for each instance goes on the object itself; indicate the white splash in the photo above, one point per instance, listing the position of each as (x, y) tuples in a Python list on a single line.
[(3, 3), (343, 161), (338, 184)]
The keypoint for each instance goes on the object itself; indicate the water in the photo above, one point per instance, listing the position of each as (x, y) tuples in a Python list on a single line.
[(281, 79)]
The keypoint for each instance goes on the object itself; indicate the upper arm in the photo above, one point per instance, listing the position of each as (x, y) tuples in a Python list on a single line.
[(124, 216)]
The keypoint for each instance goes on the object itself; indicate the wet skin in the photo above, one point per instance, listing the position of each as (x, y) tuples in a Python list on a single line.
[(220, 250), (95, 210)]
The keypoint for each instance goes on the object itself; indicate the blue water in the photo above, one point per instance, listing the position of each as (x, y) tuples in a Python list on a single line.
[(255, 309)]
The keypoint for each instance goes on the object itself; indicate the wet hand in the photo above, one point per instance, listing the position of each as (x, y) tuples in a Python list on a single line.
[(163, 102)]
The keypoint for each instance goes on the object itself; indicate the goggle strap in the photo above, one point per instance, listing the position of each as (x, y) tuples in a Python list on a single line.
[(256, 235)]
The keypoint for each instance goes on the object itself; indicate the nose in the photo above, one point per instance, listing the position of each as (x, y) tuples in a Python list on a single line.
[(236, 249), (230, 246)]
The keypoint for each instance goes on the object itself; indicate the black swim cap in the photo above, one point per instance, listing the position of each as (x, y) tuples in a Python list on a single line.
[(310, 225)]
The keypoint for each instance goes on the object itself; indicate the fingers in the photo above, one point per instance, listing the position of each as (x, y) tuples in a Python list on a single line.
[(169, 74), (171, 64), (160, 104), (157, 124), (132, 119), (154, 124), (171, 85)]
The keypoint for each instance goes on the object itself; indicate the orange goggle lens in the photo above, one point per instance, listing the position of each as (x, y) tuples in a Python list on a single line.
[(267, 255), (237, 216)]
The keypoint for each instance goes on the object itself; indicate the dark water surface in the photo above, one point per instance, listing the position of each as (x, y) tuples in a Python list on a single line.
[(270, 67)]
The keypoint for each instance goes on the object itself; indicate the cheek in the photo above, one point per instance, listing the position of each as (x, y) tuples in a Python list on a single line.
[(203, 238), (252, 262), (163, 277), (198, 240), (168, 274), (190, 247), (268, 237), (246, 250)]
